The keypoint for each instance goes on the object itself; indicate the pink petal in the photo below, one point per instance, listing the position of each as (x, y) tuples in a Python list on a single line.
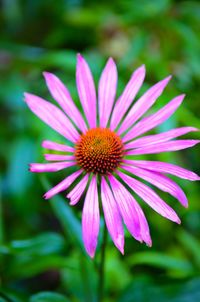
[(52, 116), (163, 167), (77, 191), (126, 207), (150, 197), (162, 182), (107, 91), (86, 90), (159, 138), (164, 147), (144, 227), (63, 185), (58, 157), (155, 119), (91, 218), (143, 104), (61, 94), (112, 216), (57, 147), (128, 95), (52, 167)]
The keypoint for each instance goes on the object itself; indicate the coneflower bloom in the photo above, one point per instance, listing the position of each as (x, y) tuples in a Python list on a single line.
[(101, 144)]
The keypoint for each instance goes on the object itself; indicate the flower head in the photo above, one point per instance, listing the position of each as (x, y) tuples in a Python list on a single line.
[(102, 146)]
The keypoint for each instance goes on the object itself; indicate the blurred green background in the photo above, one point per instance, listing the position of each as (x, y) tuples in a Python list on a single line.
[(41, 252)]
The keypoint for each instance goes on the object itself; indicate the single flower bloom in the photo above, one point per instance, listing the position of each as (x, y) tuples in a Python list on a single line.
[(102, 144)]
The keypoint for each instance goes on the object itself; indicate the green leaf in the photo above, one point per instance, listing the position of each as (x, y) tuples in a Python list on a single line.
[(145, 289), (48, 297), (161, 261), (191, 244), (27, 266), (46, 243)]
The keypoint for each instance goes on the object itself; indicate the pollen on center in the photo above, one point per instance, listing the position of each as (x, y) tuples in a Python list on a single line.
[(99, 150)]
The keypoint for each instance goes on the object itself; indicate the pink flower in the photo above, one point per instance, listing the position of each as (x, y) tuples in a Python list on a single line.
[(103, 144)]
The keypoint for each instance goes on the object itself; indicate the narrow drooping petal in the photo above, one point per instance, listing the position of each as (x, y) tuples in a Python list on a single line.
[(164, 147), (52, 116), (126, 207), (52, 167), (61, 94), (86, 90), (58, 157), (143, 104), (127, 96), (144, 227), (76, 193), (63, 185), (112, 216), (150, 197), (91, 218), (163, 167), (159, 138), (57, 147), (107, 91), (155, 119), (160, 181)]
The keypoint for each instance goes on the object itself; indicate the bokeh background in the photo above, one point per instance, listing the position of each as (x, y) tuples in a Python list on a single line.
[(41, 252)]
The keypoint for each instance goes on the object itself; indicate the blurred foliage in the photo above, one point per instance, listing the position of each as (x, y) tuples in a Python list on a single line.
[(41, 252)]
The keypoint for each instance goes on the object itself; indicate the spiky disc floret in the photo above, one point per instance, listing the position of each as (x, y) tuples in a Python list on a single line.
[(99, 150)]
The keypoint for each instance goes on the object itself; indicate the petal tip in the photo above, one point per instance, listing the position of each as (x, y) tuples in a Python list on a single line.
[(147, 240), (45, 196), (166, 80), (79, 57), (120, 244), (26, 96), (91, 254), (46, 74), (181, 97), (111, 60), (142, 68), (31, 168)]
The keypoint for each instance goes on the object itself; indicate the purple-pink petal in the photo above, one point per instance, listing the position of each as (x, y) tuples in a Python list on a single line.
[(112, 216), (86, 90), (50, 167), (150, 197), (126, 207), (76, 193), (144, 227), (107, 91), (163, 167), (57, 147), (160, 181), (58, 157), (143, 104), (61, 94), (128, 95), (91, 218), (159, 138), (63, 185), (155, 119), (164, 147), (52, 116)]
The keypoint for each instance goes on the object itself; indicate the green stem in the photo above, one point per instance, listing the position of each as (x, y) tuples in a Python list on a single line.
[(102, 267)]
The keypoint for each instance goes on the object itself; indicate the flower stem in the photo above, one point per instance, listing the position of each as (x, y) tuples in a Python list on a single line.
[(102, 267)]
